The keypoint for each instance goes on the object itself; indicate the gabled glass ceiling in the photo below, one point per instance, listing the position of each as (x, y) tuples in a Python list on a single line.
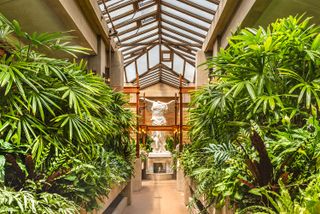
[(159, 38)]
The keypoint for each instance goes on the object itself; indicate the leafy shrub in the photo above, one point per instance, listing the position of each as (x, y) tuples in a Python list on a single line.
[(12, 201), (256, 124), (62, 128)]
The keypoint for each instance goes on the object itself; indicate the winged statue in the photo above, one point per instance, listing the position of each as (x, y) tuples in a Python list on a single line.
[(158, 110)]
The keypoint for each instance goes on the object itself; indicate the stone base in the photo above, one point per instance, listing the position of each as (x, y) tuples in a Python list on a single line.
[(180, 179), (160, 155), (136, 180), (159, 176), (159, 163)]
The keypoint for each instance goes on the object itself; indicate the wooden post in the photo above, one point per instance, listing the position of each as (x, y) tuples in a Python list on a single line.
[(144, 108), (144, 138), (175, 118), (181, 116), (137, 112)]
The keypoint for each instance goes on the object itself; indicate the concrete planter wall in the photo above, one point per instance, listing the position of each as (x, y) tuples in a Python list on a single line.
[(124, 189), (191, 186)]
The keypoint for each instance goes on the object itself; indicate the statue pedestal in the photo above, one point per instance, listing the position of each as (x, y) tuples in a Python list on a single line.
[(160, 155), (159, 166)]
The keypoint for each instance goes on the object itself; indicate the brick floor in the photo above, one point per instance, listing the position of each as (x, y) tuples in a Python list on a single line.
[(157, 197)]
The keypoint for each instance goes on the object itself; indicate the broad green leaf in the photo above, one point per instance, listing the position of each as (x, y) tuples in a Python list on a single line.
[(250, 91)]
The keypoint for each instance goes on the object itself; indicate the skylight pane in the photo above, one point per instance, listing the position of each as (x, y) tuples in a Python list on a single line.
[(142, 64), (189, 56), (124, 19), (182, 31), (190, 8), (131, 49), (126, 27), (122, 10), (142, 36), (165, 17), (131, 71), (189, 72), (206, 4), (146, 27), (146, 40), (178, 36), (178, 64), (164, 48), (189, 18), (112, 2), (168, 64), (154, 56)]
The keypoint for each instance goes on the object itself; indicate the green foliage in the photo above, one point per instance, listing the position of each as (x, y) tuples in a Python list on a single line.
[(170, 144), (12, 201), (282, 202), (147, 146), (257, 123), (61, 127)]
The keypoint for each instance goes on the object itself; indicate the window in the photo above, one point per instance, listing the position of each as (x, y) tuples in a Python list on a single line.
[(166, 56)]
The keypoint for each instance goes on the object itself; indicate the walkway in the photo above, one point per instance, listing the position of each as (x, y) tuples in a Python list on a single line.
[(157, 197)]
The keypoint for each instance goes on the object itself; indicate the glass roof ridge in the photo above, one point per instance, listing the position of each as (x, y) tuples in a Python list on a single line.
[(159, 38)]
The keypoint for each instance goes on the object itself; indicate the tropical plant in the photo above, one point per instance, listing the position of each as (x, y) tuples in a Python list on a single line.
[(61, 127), (282, 202), (258, 119), (24, 201), (170, 144)]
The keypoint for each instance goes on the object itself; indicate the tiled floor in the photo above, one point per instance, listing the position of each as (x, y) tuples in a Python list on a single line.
[(157, 197)]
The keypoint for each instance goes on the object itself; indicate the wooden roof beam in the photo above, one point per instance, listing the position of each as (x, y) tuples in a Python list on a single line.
[(180, 55), (181, 50), (198, 6), (130, 21), (187, 12), (140, 33), (133, 51), (214, 1), (134, 29), (181, 40), (130, 12), (169, 83), (173, 72), (145, 37), (185, 21), (152, 42), (150, 78), (151, 84), (149, 71), (121, 5), (126, 64), (183, 35), (184, 28)]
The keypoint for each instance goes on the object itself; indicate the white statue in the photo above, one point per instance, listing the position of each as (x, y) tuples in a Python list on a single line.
[(158, 110)]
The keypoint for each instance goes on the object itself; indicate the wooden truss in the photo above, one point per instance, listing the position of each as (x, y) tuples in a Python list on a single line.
[(177, 27)]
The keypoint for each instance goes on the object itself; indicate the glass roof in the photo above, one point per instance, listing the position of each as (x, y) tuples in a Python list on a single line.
[(159, 38)]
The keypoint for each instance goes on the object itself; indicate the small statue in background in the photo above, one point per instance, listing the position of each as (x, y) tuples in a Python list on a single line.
[(158, 110)]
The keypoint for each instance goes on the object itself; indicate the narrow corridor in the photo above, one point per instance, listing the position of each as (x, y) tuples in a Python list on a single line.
[(157, 197)]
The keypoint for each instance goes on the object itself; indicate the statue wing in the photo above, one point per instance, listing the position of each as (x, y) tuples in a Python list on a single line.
[(148, 103), (170, 105)]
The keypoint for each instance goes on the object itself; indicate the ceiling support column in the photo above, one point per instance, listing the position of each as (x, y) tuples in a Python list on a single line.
[(98, 62), (116, 70)]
